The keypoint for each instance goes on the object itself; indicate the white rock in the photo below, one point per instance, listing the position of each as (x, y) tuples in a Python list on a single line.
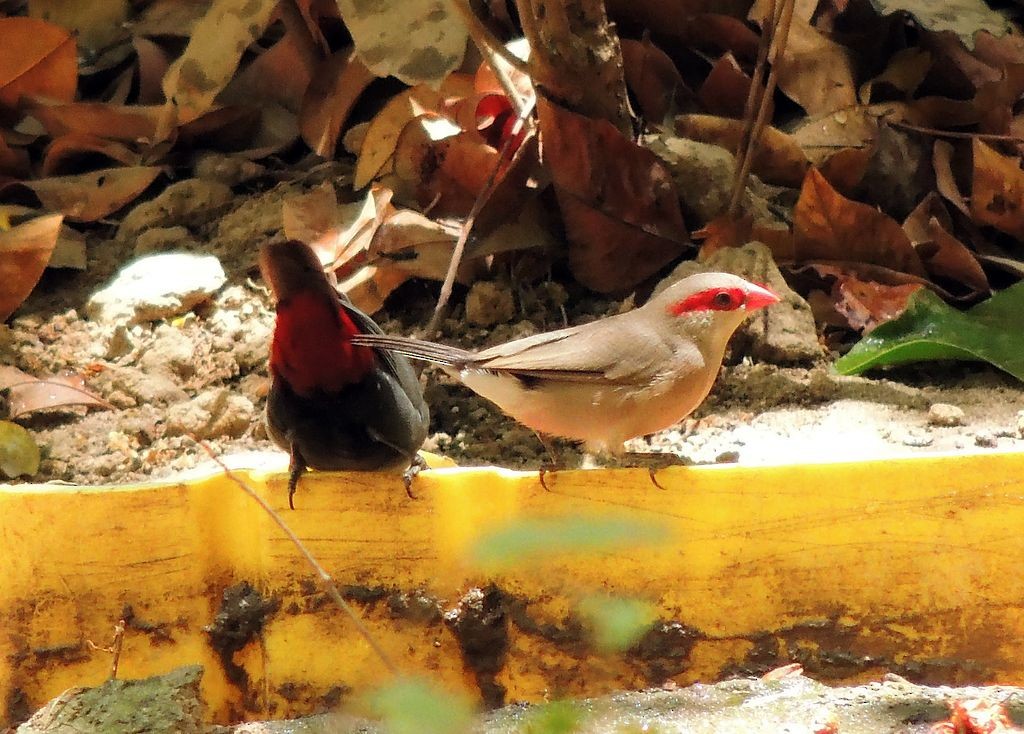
[(944, 414), (157, 287)]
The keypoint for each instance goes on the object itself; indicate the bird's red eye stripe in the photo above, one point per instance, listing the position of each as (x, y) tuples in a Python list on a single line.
[(712, 299)]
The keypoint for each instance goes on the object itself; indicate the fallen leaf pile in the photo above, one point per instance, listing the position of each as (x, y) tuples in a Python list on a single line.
[(889, 161)]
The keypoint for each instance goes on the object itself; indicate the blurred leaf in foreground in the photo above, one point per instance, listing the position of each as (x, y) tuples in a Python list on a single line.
[(929, 330), (558, 717), (616, 623), (19, 454), (417, 706), (526, 540)]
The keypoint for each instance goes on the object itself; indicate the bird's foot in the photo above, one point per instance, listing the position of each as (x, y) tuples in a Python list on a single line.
[(547, 467), (653, 462), (417, 465), (296, 467)]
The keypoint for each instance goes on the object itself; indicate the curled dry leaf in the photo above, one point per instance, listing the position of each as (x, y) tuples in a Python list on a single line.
[(211, 58), (336, 85), (14, 161), (385, 129), (816, 72), (281, 73), (24, 252), (997, 190), (87, 197), (906, 70), (63, 151), (778, 159), (944, 256), (725, 89), (828, 226), (862, 300), (153, 63), (28, 394), (653, 79), (619, 204), (127, 123), (36, 59)]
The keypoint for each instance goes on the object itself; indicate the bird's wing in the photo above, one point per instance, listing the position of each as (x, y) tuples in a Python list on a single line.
[(598, 352), (394, 364)]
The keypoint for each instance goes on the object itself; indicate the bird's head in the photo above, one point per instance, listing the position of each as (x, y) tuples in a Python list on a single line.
[(711, 305)]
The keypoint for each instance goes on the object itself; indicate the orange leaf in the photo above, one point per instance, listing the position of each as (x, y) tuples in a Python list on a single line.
[(38, 59), (997, 190), (128, 123), (91, 196), (828, 226), (725, 89), (653, 78), (68, 147), (24, 252), (943, 254)]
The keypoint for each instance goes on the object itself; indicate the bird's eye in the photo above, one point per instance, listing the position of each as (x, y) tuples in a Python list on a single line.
[(723, 300)]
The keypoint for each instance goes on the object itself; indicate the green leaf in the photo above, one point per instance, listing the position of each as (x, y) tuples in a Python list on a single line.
[(418, 706), (992, 331), (962, 17), (521, 541), (616, 623), (19, 453)]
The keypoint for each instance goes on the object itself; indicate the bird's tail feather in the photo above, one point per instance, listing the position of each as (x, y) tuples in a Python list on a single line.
[(416, 348)]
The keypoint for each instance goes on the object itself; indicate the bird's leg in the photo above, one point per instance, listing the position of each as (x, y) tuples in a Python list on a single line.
[(417, 465), (554, 462), (296, 466)]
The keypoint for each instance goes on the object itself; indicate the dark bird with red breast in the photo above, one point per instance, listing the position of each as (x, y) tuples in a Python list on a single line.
[(334, 405)]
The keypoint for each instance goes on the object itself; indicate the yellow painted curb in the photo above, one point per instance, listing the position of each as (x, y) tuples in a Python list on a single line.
[(909, 565)]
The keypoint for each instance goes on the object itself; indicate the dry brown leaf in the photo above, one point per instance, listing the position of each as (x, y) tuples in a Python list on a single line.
[(725, 89), (816, 72), (944, 256), (386, 127), (865, 304), (997, 190), (153, 63), (211, 58), (778, 159), (90, 196), (337, 83), (620, 207), (28, 394), (723, 232), (128, 123), (281, 73), (370, 286), (36, 59), (24, 252), (653, 78), (945, 181), (65, 150), (828, 226)]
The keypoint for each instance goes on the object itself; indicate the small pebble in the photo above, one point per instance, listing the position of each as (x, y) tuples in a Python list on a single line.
[(985, 439), (944, 414)]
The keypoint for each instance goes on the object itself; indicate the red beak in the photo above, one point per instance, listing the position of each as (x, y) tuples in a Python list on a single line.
[(759, 297)]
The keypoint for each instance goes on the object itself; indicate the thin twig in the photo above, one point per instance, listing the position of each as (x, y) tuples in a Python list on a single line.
[(325, 578), (467, 225), (779, 43), (750, 108), (995, 137)]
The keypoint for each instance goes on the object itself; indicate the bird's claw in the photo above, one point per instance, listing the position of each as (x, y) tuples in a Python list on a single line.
[(417, 465)]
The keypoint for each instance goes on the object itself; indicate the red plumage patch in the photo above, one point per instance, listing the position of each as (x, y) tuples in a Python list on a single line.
[(312, 348), (712, 299)]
